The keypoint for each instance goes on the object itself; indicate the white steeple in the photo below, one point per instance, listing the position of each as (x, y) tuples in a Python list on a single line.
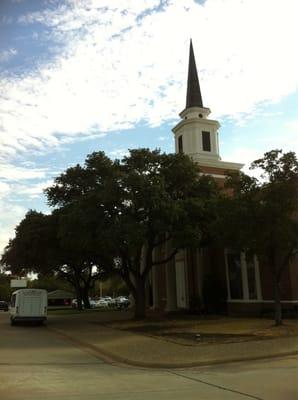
[(195, 134)]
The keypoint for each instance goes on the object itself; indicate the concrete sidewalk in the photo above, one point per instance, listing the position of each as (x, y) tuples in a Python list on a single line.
[(122, 346)]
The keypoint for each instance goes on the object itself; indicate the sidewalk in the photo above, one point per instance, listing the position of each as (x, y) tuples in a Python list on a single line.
[(95, 333)]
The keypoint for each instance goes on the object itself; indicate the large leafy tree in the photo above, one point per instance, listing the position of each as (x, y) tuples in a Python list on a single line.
[(147, 199), (262, 215), (31, 249), (58, 244), (84, 253), (5, 289)]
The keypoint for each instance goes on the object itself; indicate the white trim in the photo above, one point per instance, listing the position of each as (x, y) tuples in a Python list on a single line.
[(195, 109), (225, 165), (214, 175), (205, 121)]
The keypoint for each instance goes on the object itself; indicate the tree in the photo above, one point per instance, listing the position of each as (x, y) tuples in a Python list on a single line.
[(261, 216), (84, 253), (50, 283), (147, 199), (56, 244), (30, 248), (5, 289)]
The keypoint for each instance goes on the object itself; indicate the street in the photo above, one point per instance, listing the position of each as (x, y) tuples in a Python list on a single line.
[(37, 363)]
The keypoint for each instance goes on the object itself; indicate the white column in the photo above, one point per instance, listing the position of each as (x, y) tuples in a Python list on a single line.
[(200, 273), (181, 284), (244, 276), (227, 275), (171, 287), (155, 291), (258, 278), (171, 304)]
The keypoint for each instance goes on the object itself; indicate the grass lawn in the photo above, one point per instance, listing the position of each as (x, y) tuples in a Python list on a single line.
[(213, 329)]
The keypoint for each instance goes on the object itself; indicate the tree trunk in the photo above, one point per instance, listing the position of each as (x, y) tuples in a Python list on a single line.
[(79, 297), (76, 281), (140, 298), (86, 297), (277, 299)]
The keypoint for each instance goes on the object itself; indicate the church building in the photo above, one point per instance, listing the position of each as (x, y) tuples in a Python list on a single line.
[(212, 279)]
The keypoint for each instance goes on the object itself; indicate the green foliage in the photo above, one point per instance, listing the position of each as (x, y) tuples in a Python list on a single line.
[(30, 247), (114, 286), (262, 214), (111, 216), (5, 289), (127, 209), (50, 283)]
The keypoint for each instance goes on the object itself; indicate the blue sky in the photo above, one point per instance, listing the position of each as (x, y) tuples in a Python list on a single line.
[(78, 76)]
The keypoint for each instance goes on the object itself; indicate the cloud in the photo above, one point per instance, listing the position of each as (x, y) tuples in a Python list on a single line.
[(20, 189), (292, 126), (118, 153), (5, 20), (34, 190), (119, 67), (4, 189), (11, 214), (245, 155), (10, 172), (6, 55)]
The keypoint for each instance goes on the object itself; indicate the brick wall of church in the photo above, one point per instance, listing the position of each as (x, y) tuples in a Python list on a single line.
[(266, 277)]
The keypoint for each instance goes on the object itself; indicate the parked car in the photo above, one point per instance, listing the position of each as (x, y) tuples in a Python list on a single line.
[(122, 302), (112, 302), (108, 299), (102, 303), (92, 303), (3, 305), (74, 303)]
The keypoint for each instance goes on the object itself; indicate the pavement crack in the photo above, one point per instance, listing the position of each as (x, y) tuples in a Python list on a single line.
[(215, 386)]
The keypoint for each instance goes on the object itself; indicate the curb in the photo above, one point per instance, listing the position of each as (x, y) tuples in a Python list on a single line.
[(112, 358)]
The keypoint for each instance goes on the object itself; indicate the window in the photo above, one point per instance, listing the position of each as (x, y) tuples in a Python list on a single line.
[(251, 276), (243, 279), (235, 275), (180, 144), (206, 141)]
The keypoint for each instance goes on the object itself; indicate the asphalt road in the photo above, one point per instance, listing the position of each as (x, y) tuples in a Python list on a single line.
[(38, 364)]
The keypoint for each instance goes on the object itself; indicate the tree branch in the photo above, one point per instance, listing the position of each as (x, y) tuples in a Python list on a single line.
[(174, 252)]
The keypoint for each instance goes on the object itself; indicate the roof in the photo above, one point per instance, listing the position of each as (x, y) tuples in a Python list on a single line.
[(193, 96), (60, 294)]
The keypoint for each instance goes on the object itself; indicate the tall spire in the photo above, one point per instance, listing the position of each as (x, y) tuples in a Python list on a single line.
[(193, 97)]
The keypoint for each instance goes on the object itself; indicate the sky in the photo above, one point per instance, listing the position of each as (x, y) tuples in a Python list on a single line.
[(78, 76)]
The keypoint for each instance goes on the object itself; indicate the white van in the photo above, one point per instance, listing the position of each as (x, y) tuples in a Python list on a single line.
[(28, 305)]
